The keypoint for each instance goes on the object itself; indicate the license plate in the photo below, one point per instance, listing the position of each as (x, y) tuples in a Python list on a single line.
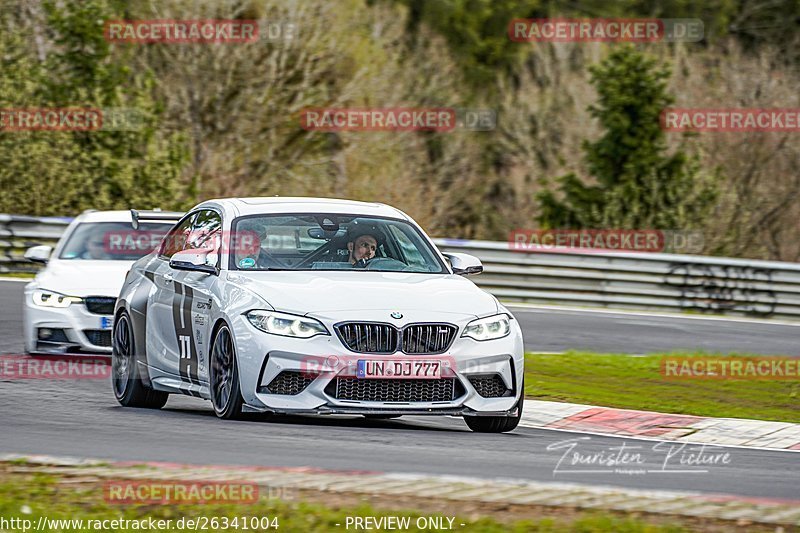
[(106, 322), (403, 369)]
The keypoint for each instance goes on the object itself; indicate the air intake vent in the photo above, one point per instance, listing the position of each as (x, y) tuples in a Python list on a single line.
[(289, 382), (98, 337), (395, 390), (490, 386)]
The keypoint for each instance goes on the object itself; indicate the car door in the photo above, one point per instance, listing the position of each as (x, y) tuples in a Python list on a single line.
[(198, 290), (166, 300)]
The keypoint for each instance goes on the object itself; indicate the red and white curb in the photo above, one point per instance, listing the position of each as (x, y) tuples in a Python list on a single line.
[(452, 488), (647, 424)]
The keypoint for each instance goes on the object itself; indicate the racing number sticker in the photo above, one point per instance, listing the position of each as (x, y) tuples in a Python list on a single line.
[(182, 320)]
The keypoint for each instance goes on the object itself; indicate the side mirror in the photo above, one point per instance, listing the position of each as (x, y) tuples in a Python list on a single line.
[(39, 254), (195, 261), (464, 264)]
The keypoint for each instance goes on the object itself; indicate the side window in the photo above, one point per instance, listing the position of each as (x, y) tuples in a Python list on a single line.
[(176, 239), (206, 233), (410, 252)]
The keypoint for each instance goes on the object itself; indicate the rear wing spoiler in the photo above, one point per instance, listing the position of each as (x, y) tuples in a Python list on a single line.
[(155, 215)]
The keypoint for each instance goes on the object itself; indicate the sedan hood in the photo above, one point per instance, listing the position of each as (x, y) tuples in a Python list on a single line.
[(84, 277), (317, 293)]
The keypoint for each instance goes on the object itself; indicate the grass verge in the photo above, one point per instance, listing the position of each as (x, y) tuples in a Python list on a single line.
[(636, 382), (31, 495)]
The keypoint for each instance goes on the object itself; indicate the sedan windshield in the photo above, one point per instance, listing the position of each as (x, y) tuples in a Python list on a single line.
[(112, 241), (319, 241)]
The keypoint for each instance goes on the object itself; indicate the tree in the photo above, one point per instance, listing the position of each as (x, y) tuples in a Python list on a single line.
[(72, 65), (637, 185)]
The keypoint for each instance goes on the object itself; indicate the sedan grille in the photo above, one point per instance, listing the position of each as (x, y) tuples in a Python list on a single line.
[(371, 337), (100, 305), (395, 390), (289, 382), (98, 337), (366, 337), (427, 338), (490, 386)]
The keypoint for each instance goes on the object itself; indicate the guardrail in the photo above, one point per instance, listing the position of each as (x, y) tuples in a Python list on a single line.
[(666, 282), (18, 233)]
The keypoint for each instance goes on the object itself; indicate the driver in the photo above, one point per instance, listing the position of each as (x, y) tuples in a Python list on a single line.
[(95, 248), (362, 248)]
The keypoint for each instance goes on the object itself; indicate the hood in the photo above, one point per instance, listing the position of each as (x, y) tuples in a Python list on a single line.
[(315, 293), (83, 277)]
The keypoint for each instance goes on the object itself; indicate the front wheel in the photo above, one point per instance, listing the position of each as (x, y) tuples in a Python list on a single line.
[(129, 388), (497, 424), (226, 396)]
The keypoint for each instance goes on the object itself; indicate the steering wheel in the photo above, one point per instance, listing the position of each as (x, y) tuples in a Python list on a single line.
[(385, 263)]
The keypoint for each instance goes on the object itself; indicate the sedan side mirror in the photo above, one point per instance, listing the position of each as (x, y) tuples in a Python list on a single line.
[(39, 254), (195, 261), (464, 264)]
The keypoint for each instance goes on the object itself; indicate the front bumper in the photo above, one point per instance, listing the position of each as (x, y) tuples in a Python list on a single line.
[(326, 410), (263, 357), (83, 332)]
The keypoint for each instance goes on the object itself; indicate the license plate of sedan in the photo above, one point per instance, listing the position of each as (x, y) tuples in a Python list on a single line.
[(106, 322), (403, 369)]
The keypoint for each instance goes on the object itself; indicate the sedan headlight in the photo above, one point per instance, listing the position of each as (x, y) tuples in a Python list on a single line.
[(489, 328), (285, 324), (45, 298)]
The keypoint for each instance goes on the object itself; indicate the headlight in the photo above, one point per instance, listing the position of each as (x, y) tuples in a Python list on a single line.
[(486, 329), (45, 298), (285, 324)]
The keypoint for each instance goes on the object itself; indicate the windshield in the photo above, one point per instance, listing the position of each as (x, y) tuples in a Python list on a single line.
[(322, 241), (112, 241)]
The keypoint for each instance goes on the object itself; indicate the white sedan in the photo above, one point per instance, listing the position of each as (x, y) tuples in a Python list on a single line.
[(314, 306), (68, 308)]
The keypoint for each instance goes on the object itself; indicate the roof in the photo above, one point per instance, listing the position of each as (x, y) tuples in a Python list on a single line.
[(278, 204)]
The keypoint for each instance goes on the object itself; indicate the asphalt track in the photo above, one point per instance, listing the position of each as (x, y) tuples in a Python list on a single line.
[(80, 418)]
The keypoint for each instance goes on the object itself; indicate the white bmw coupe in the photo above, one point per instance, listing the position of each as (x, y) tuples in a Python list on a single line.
[(314, 306)]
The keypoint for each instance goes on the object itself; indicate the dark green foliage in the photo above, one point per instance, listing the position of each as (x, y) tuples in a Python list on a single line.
[(476, 31), (636, 184), (47, 172)]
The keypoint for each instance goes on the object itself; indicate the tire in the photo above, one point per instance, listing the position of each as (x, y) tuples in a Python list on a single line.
[(129, 388), (226, 394), (497, 424)]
